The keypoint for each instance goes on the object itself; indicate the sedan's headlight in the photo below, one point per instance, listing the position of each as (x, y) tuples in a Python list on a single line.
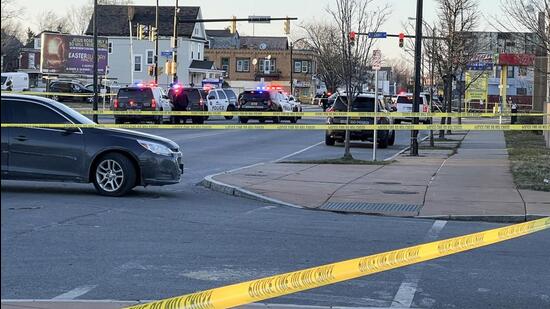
[(155, 148)]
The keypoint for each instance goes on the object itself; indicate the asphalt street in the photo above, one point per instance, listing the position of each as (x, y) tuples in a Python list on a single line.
[(64, 241)]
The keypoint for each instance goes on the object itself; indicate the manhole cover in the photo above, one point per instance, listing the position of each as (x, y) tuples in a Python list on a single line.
[(399, 192), (382, 208)]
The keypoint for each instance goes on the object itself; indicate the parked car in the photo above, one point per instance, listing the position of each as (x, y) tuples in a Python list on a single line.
[(15, 81), (404, 104), (188, 99), (232, 97), (141, 98), (114, 160), (362, 103), (265, 101), (82, 94), (219, 100)]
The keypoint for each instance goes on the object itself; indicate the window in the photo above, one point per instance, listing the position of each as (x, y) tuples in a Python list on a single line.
[(137, 63), (110, 47), (268, 65), (27, 112), (297, 66), (31, 61), (305, 66), (243, 64), (150, 56), (511, 72), (225, 66), (522, 71), (521, 91)]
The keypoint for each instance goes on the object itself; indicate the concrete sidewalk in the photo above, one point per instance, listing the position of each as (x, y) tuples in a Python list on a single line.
[(471, 183)]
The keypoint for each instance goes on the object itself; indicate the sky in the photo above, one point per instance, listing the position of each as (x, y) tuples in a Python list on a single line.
[(304, 10)]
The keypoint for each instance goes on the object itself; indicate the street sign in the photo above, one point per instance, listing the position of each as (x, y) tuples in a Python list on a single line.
[(377, 60), (378, 35), (259, 19), (166, 53)]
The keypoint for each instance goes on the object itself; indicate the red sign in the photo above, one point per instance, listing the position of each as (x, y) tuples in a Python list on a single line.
[(516, 59)]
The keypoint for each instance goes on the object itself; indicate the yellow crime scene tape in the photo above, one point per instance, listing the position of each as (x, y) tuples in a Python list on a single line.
[(59, 94), (303, 127), (308, 114), (289, 283)]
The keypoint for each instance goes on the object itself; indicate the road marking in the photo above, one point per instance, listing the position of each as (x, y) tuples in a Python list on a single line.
[(74, 293), (297, 152), (405, 294), (260, 209)]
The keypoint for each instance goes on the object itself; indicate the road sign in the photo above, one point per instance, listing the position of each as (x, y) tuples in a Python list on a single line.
[(259, 19), (377, 60), (166, 53), (378, 35)]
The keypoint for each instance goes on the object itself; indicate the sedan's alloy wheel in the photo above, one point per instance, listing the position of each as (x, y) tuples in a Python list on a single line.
[(109, 175)]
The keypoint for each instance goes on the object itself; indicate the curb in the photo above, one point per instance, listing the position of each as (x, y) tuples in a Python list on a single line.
[(493, 219)]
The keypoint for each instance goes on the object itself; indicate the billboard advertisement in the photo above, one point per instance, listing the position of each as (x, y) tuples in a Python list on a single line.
[(478, 86), (71, 54)]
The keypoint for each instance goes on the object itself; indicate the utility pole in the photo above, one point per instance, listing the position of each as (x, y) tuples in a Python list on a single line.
[(175, 45), (417, 77), (291, 68), (157, 44), (95, 117), (432, 72)]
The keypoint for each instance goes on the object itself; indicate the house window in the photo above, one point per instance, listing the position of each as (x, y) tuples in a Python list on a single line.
[(521, 91), (268, 65), (305, 66), (137, 63), (225, 66), (31, 61), (150, 56), (110, 47), (297, 66), (511, 72), (243, 64), (522, 71)]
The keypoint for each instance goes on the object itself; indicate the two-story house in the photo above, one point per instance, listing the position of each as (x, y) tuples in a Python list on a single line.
[(129, 59), (248, 61)]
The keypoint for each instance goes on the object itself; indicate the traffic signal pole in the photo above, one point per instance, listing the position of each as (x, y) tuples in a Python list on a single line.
[(157, 44), (175, 47), (417, 75), (95, 117)]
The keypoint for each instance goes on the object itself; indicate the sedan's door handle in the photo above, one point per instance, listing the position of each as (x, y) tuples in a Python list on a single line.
[(21, 138)]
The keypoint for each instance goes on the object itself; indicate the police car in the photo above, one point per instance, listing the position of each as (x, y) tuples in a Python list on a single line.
[(267, 99), (221, 100)]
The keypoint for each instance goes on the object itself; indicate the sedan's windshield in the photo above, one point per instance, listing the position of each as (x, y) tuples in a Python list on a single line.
[(76, 116)]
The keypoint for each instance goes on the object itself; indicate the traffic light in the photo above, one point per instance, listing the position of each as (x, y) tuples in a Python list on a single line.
[(140, 31), (153, 34), (151, 70), (168, 68), (352, 36), (287, 26), (233, 26), (401, 39)]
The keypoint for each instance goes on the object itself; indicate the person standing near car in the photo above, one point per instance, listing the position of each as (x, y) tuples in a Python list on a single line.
[(179, 100)]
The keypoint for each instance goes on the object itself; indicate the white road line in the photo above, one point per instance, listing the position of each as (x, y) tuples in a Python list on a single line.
[(297, 152), (260, 209), (405, 294), (74, 293)]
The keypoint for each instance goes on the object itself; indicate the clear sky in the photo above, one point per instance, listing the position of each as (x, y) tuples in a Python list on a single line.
[(305, 10)]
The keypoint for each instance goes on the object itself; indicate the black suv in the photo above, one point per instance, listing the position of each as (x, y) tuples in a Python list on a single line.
[(362, 103), (259, 101), (188, 99), (71, 87)]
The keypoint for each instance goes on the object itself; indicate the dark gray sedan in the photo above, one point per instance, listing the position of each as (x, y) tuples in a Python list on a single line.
[(114, 160)]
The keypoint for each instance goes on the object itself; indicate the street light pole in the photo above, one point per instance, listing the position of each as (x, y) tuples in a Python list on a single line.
[(95, 117), (291, 69), (417, 69), (175, 47), (157, 44)]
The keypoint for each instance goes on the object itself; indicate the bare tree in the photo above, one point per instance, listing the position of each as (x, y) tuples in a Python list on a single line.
[(50, 21), (10, 10), (78, 17), (322, 38), (355, 16), (402, 73), (523, 15)]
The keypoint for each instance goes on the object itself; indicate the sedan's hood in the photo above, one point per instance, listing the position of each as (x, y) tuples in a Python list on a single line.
[(143, 136)]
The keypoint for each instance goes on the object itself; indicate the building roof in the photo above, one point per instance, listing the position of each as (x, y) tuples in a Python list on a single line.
[(202, 65), (263, 42), (113, 19), (219, 33)]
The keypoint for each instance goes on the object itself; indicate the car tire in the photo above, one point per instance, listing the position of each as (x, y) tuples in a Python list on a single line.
[(277, 119), (427, 121), (197, 120), (261, 120), (114, 175), (230, 108), (243, 120), (391, 142), (89, 100), (158, 120), (329, 141), (55, 98), (397, 121), (293, 119), (384, 142), (205, 110), (118, 121)]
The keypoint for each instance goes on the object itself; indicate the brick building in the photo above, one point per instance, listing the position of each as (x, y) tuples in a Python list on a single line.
[(248, 61)]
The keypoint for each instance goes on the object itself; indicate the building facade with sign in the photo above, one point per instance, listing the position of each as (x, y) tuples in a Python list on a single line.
[(513, 52), (130, 59), (248, 61)]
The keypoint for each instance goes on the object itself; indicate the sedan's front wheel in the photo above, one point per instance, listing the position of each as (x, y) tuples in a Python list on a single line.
[(115, 175)]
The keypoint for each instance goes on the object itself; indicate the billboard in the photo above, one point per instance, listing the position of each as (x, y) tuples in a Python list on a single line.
[(478, 86), (71, 54)]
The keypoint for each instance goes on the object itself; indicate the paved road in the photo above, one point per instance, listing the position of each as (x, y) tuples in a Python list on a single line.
[(62, 240)]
